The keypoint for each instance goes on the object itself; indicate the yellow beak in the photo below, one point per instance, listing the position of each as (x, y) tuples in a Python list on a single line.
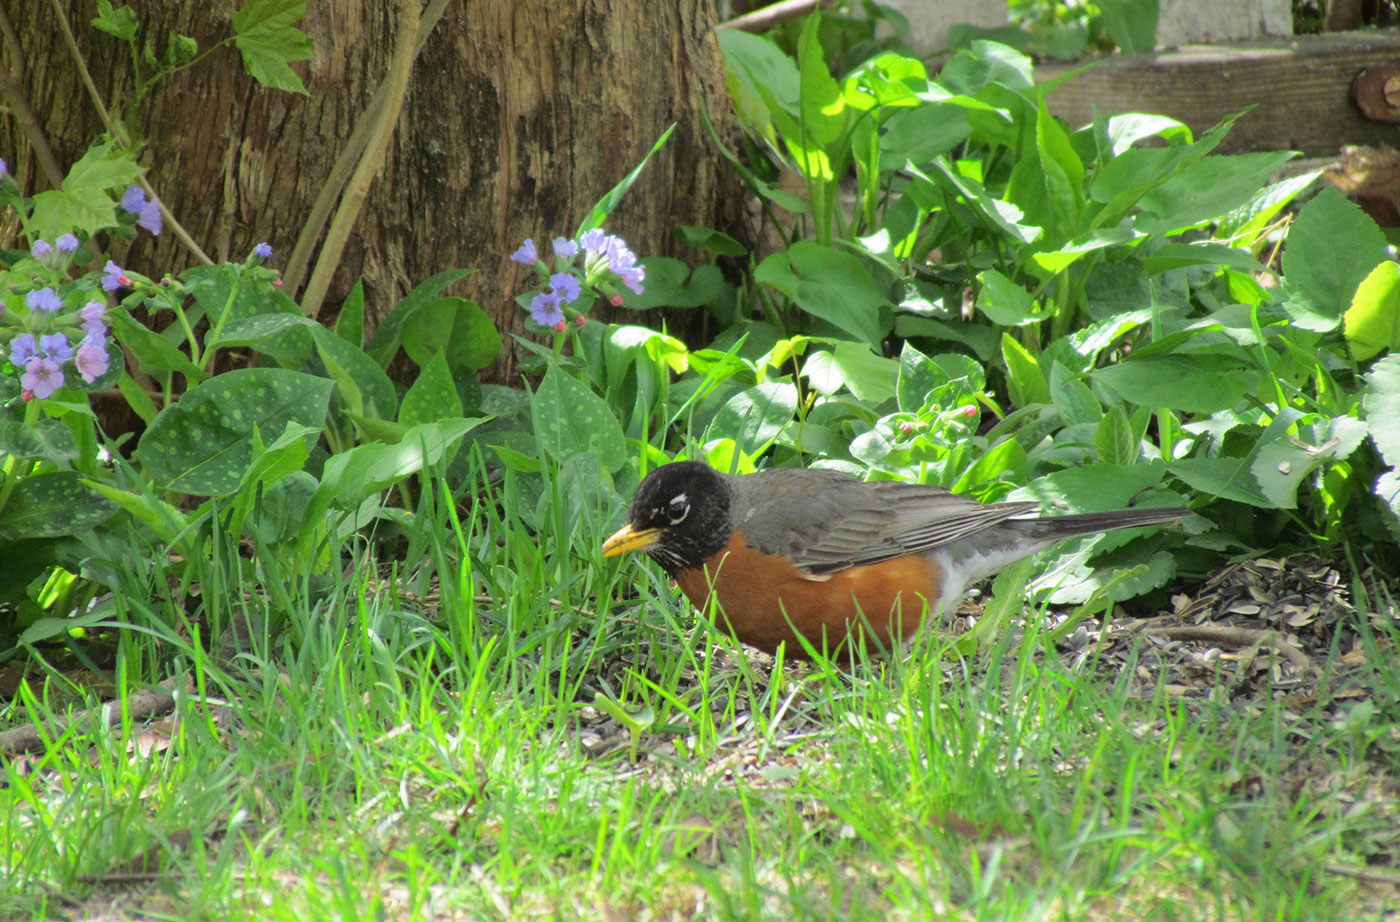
[(628, 538)]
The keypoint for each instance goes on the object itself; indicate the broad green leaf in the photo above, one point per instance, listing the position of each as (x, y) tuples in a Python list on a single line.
[(823, 105), (432, 396), (266, 35), (919, 134), (1332, 246), (868, 376), (1281, 465), (1132, 24), (1205, 190), (1381, 407), (1003, 215), (154, 353), (454, 327), (119, 21), (50, 505), (284, 337), (569, 418), (1005, 303), (754, 417), (1126, 178), (671, 283), (1227, 478), (1024, 379), (137, 398), (83, 204), (204, 444), (1246, 223), (281, 512), (352, 477), (1113, 438), (829, 284), (350, 322), (48, 440), (710, 240), (1095, 487), (1191, 384), (658, 346), (1123, 131), (1372, 323), (1179, 255), (918, 376), (1072, 397), (1055, 261), (363, 386), (387, 336)]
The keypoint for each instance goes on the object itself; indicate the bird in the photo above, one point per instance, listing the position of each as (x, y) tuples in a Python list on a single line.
[(823, 554)]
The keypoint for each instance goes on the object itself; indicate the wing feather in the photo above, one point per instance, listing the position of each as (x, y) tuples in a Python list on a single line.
[(826, 521)]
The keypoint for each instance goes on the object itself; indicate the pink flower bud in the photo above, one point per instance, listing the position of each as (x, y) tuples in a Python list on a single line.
[(124, 280), (277, 283), (616, 300), (579, 320), (907, 429), (559, 327)]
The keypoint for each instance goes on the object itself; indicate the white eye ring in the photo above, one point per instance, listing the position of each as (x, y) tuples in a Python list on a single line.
[(678, 510)]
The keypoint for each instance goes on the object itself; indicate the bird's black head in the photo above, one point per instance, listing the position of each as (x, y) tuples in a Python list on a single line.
[(679, 517)]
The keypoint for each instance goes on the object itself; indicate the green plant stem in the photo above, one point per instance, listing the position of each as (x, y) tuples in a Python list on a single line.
[(400, 67), (345, 161), (19, 469)]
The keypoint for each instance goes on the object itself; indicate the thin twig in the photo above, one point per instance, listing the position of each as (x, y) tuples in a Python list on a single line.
[(115, 129), (1374, 875), (773, 15), (1236, 637), (24, 114), (345, 162), (400, 67), (148, 702)]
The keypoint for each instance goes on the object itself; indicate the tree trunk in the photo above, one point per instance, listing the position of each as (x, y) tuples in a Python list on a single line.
[(520, 114)]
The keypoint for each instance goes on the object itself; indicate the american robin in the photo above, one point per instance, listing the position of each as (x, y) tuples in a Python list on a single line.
[(823, 553)]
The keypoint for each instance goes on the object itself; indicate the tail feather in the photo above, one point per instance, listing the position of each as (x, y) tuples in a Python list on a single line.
[(1084, 523)]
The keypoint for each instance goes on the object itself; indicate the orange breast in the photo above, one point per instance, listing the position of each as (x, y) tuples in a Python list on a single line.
[(762, 599)]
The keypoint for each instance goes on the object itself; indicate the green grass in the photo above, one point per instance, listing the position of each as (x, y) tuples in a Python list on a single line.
[(492, 722)]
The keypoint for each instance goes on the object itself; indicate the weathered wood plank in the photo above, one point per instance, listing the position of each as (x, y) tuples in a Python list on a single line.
[(1300, 87)]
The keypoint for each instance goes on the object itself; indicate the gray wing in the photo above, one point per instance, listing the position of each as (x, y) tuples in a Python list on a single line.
[(834, 521)]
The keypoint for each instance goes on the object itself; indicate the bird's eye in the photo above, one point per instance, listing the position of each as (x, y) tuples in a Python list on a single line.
[(678, 510)]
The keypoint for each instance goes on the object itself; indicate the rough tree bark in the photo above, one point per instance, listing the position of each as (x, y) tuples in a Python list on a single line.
[(520, 114)]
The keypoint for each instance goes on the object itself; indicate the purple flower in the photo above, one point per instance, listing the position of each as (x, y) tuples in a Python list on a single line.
[(55, 346), (114, 277), (262, 251), (42, 376), (594, 240), (564, 248), (632, 277), (4, 167), (527, 254), (133, 199), (67, 243), (91, 360), (619, 257), (545, 311), (565, 286), (23, 348), (40, 249), (43, 299), (93, 312), (150, 217)]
